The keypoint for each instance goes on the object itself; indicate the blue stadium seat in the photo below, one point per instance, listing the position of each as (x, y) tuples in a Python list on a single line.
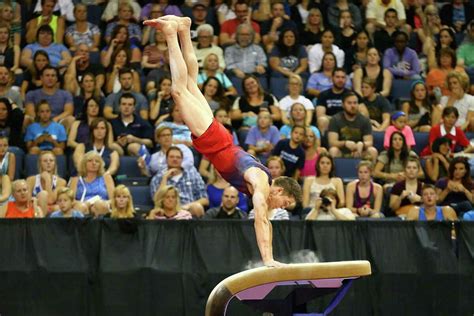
[(279, 86), (346, 168), (421, 140), (94, 14), (19, 157), (141, 198), (129, 167), (400, 90), (31, 165), (378, 140)]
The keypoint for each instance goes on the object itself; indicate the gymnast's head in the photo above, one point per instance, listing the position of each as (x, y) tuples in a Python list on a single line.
[(284, 192)]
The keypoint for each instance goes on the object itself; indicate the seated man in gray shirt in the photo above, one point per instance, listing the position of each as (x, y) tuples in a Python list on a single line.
[(228, 208)]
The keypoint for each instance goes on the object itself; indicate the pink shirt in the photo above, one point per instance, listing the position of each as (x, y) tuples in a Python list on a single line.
[(309, 168), (406, 131)]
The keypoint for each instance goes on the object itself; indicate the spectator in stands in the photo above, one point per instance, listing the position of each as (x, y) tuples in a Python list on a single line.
[(458, 85), (112, 8), (407, 191), (288, 57), (273, 29), (329, 102), (448, 128), (317, 51), (399, 123), (205, 46), (167, 7), (45, 134), (121, 205), (214, 93), (32, 75), (357, 53), (375, 14), (436, 79), (160, 106), (456, 190), (246, 108), (432, 47), (11, 123), (465, 52), (6, 90), (228, 208), (276, 166), (65, 202), (437, 165), (82, 32), (245, 57), (431, 25), (155, 59), (46, 17), (100, 140), (422, 114), (130, 130), (373, 70), (326, 209), (181, 132), (112, 103), (312, 148), (291, 151), (335, 10), (193, 196), (383, 37), (79, 133), (125, 18), (429, 209), (217, 187), (23, 206), (9, 54), (120, 41), (457, 14), (391, 163), (121, 62), (148, 32), (11, 15), (322, 80), (79, 66), (164, 140), (59, 55), (313, 28), (374, 106), (401, 60), (46, 184), (229, 29), (295, 87), (167, 205), (62, 8), (210, 68), (201, 14), (263, 137), (7, 159), (93, 187), (350, 133), (345, 34), (299, 12), (224, 11), (364, 196), (298, 116), (59, 101)]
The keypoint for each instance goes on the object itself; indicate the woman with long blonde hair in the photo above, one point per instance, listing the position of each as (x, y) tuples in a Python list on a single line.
[(121, 204), (167, 205)]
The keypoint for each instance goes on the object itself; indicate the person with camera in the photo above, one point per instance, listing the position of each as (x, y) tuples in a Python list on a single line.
[(325, 208)]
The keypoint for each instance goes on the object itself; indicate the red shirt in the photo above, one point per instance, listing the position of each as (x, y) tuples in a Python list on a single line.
[(230, 26), (14, 212), (456, 135)]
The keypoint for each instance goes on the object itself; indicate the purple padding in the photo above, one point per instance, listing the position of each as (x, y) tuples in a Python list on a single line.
[(261, 291)]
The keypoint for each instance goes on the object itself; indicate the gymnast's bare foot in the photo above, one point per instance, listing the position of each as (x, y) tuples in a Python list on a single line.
[(273, 264), (184, 23), (169, 27)]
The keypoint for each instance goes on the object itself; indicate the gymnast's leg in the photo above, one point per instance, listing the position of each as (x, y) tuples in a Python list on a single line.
[(196, 112)]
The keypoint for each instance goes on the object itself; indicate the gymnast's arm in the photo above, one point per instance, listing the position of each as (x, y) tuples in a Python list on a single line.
[(263, 229)]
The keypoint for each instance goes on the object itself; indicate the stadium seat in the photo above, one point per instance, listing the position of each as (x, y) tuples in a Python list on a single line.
[(279, 86), (346, 168), (129, 167), (31, 165), (378, 140), (141, 198), (400, 91), (421, 140), (19, 157)]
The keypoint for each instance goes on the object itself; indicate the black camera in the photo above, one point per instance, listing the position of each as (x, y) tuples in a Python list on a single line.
[(325, 201)]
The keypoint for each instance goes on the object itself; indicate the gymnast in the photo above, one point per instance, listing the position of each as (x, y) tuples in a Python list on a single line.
[(212, 140)]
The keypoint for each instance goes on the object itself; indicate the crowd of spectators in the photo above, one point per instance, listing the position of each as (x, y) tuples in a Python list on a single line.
[(83, 81)]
